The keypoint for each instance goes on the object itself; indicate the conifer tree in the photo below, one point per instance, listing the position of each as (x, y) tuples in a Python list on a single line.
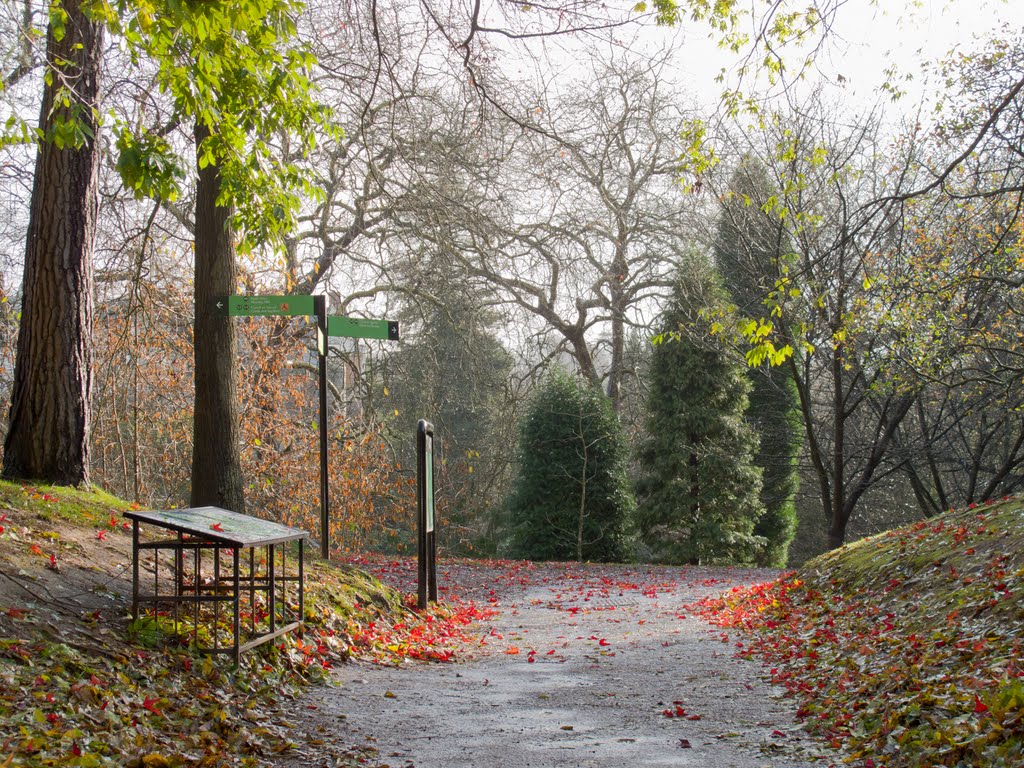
[(698, 489), (454, 372), (748, 249), (572, 498)]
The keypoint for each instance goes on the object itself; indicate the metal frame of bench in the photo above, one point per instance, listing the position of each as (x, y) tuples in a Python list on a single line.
[(202, 529)]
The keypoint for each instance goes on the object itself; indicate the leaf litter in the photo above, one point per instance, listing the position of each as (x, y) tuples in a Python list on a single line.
[(79, 686), (901, 650), (904, 649)]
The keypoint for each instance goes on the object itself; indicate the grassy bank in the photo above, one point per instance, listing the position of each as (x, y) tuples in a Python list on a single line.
[(77, 688), (903, 649)]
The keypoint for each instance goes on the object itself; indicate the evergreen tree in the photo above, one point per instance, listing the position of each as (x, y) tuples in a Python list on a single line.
[(748, 248), (454, 374), (572, 498), (698, 489)]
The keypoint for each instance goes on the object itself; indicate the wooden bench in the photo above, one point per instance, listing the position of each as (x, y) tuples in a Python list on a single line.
[(222, 581)]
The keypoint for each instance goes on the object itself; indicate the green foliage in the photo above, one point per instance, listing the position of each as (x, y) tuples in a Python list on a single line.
[(454, 374), (233, 68), (776, 419), (148, 166), (749, 246), (698, 486), (572, 499)]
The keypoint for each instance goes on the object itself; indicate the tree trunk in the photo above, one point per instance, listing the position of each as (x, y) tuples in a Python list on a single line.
[(614, 386), (216, 457), (48, 432), (837, 524), (619, 303), (581, 516)]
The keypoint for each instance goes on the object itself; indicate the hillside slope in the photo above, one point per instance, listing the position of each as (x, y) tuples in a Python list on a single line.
[(79, 688), (903, 649)]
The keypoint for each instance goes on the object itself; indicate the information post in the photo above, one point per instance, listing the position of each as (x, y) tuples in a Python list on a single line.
[(427, 543), (320, 308)]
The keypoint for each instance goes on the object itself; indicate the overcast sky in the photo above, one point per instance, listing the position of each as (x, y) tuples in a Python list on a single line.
[(869, 37)]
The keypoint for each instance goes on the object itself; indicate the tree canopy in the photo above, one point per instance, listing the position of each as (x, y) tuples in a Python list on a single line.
[(874, 266)]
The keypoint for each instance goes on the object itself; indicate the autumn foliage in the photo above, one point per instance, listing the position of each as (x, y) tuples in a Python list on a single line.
[(143, 426), (74, 692), (903, 649)]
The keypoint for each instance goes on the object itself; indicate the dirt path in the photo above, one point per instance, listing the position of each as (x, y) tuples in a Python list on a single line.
[(580, 666)]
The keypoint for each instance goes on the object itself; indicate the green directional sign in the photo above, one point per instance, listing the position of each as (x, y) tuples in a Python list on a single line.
[(360, 328), (265, 306)]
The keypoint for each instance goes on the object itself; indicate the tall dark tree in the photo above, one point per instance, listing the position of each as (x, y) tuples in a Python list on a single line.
[(237, 77), (48, 431), (572, 499), (748, 247), (216, 455), (698, 489)]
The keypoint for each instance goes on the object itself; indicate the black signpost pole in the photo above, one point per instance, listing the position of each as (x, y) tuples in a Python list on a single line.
[(353, 327), (320, 309), (426, 543)]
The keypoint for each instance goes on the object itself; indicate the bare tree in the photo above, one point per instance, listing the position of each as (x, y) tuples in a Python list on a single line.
[(578, 225), (953, 289), (854, 390)]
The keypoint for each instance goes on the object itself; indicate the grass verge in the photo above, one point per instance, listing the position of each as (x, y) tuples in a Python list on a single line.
[(903, 649), (75, 690)]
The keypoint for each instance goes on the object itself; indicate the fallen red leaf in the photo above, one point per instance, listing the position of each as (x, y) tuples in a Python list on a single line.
[(150, 704)]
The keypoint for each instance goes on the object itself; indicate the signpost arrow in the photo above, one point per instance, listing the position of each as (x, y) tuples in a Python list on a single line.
[(267, 306), (361, 328), (298, 305)]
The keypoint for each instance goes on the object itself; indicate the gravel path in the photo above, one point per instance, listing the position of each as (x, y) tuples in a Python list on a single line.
[(581, 666)]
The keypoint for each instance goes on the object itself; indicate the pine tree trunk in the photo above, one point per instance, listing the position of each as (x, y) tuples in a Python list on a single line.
[(48, 432), (216, 458)]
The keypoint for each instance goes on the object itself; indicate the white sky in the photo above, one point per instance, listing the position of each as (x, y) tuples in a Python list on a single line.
[(867, 37)]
